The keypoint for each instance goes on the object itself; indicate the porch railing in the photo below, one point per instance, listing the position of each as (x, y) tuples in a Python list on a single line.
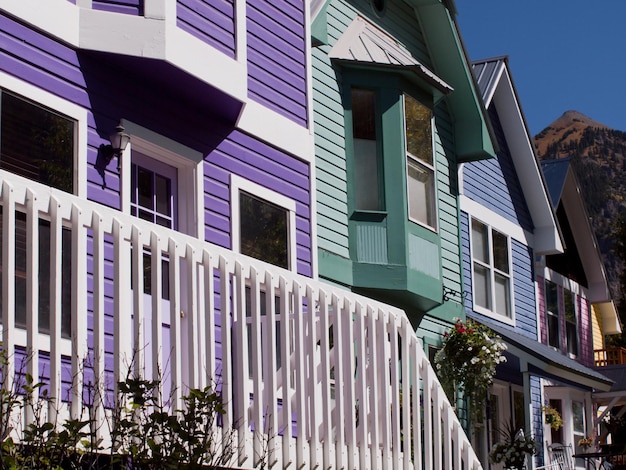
[(323, 377), (609, 356)]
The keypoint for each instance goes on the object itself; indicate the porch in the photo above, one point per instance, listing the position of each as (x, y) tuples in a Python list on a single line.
[(317, 375)]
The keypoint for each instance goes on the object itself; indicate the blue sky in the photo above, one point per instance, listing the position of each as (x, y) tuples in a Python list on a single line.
[(563, 54)]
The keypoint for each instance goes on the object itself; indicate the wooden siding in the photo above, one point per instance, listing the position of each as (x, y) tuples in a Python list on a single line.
[(129, 7), (523, 282), (246, 156), (494, 182), (330, 136), (88, 83), (596, 328), (277, 57), (211, 21)]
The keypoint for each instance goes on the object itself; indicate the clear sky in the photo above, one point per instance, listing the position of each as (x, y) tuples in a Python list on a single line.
[(563, 54)]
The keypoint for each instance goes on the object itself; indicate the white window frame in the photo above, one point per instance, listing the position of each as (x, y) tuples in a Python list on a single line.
[(578, 291), (238, 184), (188, 163), (416, 161), (62, 106), (492, 270)]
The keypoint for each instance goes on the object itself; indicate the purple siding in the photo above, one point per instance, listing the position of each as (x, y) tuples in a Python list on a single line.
[(277, 57), (110, 87), (245, 156), (211, 21), (129, 7)]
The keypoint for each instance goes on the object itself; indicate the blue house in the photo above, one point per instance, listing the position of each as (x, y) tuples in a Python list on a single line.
[(507, 225)]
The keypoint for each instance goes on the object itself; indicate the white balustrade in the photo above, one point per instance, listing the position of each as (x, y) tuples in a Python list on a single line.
[(312, 376)]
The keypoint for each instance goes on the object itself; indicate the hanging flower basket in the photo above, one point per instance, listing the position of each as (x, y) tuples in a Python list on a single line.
[(553, 417), (467, 362)]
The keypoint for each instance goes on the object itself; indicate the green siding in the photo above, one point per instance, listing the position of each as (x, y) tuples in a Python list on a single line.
[(334, 240)]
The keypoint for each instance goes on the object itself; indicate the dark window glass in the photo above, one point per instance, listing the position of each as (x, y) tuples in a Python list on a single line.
[(36, 142), (264, 230), (365, 148), (552, 314), (43, 275)]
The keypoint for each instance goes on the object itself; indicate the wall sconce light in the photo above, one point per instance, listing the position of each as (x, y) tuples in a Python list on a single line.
[(119, 140)]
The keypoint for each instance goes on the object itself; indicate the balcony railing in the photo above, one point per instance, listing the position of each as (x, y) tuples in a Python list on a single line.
[(609, 356), (323, 377)]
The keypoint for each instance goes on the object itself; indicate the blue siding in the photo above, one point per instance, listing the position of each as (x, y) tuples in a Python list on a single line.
[(211, 21), (277, 57), (494, 182), (523, 282)]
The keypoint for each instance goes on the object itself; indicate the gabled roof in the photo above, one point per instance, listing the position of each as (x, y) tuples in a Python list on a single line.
[(564, 189), (366, 44), (496, 86), (547, 359)]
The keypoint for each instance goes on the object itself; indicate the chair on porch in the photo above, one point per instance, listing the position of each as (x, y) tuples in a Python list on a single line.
[(561, 456)]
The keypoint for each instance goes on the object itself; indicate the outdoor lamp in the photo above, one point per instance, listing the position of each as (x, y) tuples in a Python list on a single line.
[(119, 140)]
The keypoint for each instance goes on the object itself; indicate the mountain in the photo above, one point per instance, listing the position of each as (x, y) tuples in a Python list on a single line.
[(598, 155)]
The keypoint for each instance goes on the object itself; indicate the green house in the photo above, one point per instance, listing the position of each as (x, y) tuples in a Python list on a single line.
[(396, 111)]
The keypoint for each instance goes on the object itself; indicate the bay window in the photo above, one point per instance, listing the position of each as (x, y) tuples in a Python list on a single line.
[(420, 164)]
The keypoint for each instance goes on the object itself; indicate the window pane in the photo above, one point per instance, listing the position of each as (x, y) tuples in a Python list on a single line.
[(553, 330), (421, 183), (480, 241), (264, 230), (366, 161), (578, 417), (500, 251), (366, 190), (145, 188), (163, 194), (417, 119), (570, 309), (552, 298), (502, 292), (482, 294), (572, 338), (36, 142)]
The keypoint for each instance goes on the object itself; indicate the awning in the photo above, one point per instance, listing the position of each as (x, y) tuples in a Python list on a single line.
[(365, 44), (546, 359)]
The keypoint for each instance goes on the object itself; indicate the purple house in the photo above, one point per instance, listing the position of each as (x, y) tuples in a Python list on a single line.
[(155, 188)]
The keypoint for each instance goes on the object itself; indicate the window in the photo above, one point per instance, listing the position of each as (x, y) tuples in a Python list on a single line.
[(263, 223), (552, 314), (367, 164), (491, 269), (420, 166), (36, 142), (43, 275), (571, 330), (153, 191)]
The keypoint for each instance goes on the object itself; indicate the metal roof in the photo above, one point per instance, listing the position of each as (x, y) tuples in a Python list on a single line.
[(547, 359), (487, 73), (365, 43)]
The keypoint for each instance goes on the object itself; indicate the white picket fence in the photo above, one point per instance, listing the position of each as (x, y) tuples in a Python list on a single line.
[(318, 376)]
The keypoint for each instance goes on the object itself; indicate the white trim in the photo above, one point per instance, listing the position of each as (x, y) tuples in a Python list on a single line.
[(277, 130), (189, 165), (501, 224), (490, 266), (237, 184), (431, 167), (66, 108)]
